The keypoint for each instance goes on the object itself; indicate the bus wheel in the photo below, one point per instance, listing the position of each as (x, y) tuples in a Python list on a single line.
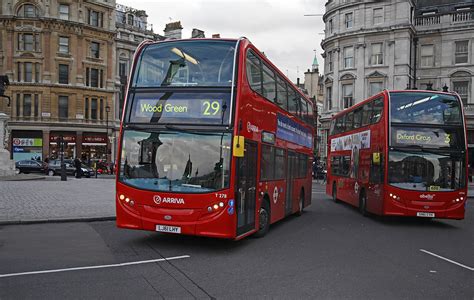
[(300, 204), (363, 204), (264, 219), (334, 193)]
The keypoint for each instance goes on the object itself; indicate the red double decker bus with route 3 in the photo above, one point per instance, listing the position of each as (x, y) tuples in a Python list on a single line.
[(401, 153), (215, 141)]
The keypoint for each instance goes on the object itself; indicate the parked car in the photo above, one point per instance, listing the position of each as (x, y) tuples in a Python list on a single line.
[(30, 166), (54, 167), (86, 170)]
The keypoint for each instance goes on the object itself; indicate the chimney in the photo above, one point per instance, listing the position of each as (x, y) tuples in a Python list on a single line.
[(197, 34), (173, 30), (216, 36)]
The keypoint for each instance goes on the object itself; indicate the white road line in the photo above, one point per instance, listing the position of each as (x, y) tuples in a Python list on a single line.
[(95, 267), (447, 259)]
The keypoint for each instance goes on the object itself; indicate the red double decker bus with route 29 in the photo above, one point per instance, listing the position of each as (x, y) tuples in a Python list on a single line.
[(215, 141), (401, 153)]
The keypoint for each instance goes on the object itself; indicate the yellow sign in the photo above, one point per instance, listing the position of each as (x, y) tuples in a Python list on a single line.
[(239, 142), (434, 188), (376, 158)]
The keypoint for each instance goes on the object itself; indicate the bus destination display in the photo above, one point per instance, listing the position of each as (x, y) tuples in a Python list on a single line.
[(180, 108)]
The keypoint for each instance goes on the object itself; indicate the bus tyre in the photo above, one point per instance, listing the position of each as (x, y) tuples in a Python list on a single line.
[(363, 204), (334, 193), (50, 173), (263, 219), (300, 204)]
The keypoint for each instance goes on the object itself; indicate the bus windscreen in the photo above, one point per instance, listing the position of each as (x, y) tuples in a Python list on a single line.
[(203, 63), (425, 108)]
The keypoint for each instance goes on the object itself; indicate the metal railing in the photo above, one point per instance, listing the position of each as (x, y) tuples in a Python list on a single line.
[(452, 18)]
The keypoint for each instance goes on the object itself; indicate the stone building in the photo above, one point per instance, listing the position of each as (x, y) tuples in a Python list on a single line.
[(374, 45), (132, 28), (60, 59)]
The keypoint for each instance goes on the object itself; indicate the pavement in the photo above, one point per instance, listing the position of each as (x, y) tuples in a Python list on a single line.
[(50, 200), (26, 199)]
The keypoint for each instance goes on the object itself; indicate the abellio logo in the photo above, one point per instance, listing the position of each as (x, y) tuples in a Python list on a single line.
[(158, 200), (427, 196)]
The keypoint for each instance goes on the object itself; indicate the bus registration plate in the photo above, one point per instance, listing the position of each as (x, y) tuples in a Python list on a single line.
[(169, 229), (425, 214)]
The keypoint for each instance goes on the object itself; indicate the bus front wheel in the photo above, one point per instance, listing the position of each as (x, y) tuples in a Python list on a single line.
[(334, 193), (264, 219)]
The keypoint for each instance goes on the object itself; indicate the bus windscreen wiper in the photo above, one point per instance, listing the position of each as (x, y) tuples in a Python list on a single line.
[(418, 149), (185, 130)]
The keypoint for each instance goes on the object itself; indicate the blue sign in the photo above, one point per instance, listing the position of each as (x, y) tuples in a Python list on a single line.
[(290, 131), (18, 149)]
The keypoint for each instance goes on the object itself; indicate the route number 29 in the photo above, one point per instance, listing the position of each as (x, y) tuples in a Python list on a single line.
[(210, 108)]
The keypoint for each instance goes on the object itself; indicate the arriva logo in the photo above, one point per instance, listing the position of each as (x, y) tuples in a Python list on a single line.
[(158, 200), (427, 196)]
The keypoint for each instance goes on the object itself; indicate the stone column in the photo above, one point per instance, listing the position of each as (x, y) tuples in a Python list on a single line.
[(45, 143), (7, 166)]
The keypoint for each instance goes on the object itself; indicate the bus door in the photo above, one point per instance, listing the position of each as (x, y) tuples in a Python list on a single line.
[(375, 187), (246, 186), (290, 171)]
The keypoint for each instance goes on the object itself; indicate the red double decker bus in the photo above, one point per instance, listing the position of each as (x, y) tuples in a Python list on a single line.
[(215, 141), (400, 153)]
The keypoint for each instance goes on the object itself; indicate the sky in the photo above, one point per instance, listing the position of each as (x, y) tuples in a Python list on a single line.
[(276, 27)]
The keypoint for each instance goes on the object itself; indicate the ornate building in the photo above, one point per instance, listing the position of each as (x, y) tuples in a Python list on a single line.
[(373, 45), (60, 59), (132, 28), (68, 63)]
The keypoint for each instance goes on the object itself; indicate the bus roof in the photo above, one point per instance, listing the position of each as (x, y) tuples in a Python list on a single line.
[(355, 106)]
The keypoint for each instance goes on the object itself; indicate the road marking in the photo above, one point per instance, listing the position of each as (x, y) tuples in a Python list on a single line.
[(447, 259), (95, 267)]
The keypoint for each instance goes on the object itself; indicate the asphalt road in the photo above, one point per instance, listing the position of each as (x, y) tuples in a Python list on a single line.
[(331, 252)]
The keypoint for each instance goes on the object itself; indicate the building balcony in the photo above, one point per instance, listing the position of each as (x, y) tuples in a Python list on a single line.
[(469, 110), (440, 21)]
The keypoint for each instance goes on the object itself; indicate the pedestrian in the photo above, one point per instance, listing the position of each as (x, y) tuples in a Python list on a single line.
[(77, 165)]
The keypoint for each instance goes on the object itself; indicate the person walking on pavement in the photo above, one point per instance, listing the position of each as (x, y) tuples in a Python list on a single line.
[(77, 165)]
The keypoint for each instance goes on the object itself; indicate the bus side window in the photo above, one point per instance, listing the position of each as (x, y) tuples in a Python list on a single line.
[(350, 121), (333, 127), (357, 118), (366, 113), (254, 72), (269, 84), (377, 110), (304, 110), (282, 93), (339, 125), (292, 104)]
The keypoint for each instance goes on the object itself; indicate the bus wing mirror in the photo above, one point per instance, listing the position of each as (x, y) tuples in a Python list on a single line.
[(238, 149), (376, 158)]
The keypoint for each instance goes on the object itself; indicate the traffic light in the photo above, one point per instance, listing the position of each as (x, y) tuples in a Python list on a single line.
[(3, 85)]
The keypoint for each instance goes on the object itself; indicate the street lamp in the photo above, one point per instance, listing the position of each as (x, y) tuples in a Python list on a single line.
[(107, 110)]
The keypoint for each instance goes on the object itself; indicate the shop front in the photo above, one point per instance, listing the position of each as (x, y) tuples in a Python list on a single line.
[(69, 139), (27, 145), (94, 147)]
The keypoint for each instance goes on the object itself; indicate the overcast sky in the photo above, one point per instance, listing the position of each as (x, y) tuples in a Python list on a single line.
[(277, 27)]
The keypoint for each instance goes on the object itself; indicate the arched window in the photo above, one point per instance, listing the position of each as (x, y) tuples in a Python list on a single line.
[(27, 11)]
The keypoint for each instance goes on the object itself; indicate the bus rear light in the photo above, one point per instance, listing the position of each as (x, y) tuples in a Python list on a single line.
[(127, 200), (121, 197), (132, 203), (216, 206), (221, 204)]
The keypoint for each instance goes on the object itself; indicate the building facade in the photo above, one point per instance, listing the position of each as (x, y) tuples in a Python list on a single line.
[(399, 44), (68, 64), (60, 59)]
